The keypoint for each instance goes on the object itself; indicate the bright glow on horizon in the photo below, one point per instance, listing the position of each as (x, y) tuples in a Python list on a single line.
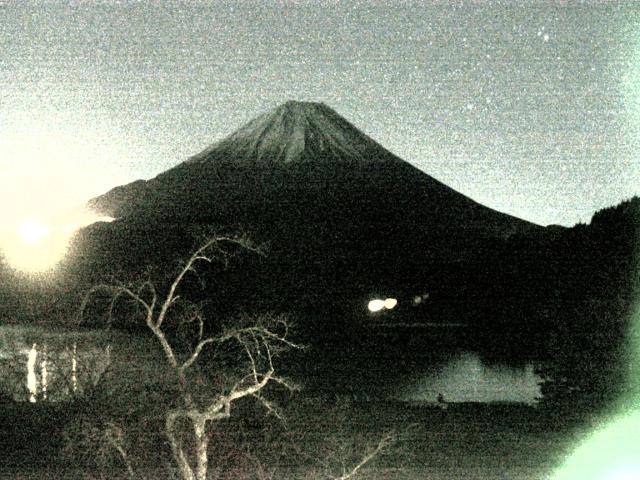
[(32, 231), (32, 381), (48, 171), (36, 246), (612, 453)]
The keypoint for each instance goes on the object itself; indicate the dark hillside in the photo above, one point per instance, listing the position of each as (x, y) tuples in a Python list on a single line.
[(343, 216)]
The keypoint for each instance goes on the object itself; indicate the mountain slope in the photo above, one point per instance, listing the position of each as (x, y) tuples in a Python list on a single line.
[(294, 129), (342, 215), (296, 154)]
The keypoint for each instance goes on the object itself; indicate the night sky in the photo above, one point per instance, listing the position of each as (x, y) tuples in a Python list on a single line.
[(529, 109)]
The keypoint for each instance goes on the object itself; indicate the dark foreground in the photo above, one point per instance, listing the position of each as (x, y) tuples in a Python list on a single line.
[(320, 438)]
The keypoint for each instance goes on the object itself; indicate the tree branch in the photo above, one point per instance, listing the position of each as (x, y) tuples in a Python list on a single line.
[(196, 352), (258, 341), (197, 256), (382, 444), (186, 471)]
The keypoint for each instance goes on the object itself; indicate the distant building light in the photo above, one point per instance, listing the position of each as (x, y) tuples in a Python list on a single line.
[(376, 305), (418, 299), (390, 303)]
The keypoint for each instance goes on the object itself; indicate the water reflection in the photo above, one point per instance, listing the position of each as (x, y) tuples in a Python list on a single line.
[(467, 379), (53, 368), (32, 380), (38, 365)]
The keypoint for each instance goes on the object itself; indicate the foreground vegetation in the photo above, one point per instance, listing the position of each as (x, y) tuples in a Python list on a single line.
[(320, 439), (188, 399), (193, 396)]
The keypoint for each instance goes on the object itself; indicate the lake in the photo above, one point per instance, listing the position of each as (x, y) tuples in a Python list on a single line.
[(40, 364), (52, 365), (465, 378)]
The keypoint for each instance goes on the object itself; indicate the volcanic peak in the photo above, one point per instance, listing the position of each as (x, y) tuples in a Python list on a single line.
[(304, 157), (292, 132)]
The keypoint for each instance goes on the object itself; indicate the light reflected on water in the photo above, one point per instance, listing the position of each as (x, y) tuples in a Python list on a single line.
[(74, 369), (467, 379), (38, 378), (44, 373), (52, 372), (32, 381)]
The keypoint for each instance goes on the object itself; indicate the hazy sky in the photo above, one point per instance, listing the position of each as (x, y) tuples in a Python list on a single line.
[(532, 108)]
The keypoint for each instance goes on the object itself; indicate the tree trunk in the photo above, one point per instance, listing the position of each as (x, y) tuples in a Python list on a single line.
[(202, 441), (186, 472)]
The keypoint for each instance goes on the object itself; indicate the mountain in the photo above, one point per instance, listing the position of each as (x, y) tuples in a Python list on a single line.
[(294, 153), (339, 211), (346, 221)]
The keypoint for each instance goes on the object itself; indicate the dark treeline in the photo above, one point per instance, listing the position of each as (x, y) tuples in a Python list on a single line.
[(562, 298), (565, 299), (598, 274)]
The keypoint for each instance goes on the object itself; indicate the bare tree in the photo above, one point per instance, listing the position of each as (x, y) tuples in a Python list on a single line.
[(345, 453), (352, 470), (259, 338)]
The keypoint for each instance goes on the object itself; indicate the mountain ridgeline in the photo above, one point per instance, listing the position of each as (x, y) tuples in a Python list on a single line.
[(303, 159), (345, 220), (342, 215)]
